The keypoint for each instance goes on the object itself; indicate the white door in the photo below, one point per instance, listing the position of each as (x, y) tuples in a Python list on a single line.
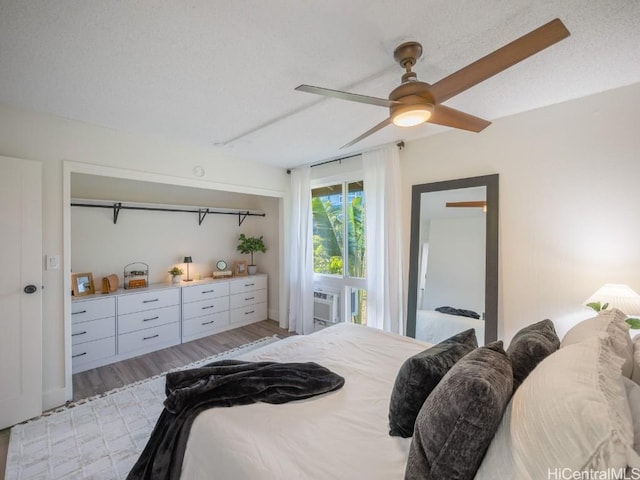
[(20, 312)]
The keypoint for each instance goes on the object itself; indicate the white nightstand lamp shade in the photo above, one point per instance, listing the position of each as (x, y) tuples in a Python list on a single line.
[(617, 296)]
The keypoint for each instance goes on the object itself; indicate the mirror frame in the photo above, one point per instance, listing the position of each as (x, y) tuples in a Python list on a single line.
[(491, 268)]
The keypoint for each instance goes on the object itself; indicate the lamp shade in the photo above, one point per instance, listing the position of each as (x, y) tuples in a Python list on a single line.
[(187, 260), (617, 296)]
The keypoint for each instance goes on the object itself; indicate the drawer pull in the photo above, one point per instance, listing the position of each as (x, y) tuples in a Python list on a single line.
[(149, 301), (249, 313), (250, 298), (79, 333), (208, 291), (149, 319), (152, 336), (207, 307), (77, 313), (79, 354), (207, 323), (249, 284)]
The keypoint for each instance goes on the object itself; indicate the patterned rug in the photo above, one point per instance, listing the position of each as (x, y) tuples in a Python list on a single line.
[(97, 438)]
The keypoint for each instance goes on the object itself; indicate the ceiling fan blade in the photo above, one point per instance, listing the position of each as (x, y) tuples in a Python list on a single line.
[(479, 204), (354, 97), (450, 117), (503, 58), (379, 126)]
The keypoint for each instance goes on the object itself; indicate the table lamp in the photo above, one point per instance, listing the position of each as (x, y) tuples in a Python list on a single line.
[(188, 260)]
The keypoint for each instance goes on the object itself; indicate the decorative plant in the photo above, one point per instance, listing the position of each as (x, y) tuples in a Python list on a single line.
[(251, 245), (175, 271), (597, 306)]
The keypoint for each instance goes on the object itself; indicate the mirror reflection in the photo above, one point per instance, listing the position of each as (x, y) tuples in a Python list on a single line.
[(453, 270)]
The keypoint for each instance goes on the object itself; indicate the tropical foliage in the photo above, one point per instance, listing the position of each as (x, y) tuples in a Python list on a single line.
[(328, 237)]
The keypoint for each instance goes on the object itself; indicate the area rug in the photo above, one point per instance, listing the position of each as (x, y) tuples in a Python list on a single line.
[(96, 438)]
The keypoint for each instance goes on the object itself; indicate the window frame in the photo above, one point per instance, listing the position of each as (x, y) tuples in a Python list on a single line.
[(341, 284)]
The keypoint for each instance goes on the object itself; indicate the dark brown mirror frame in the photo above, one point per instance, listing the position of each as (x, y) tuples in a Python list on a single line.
[(491, 272)]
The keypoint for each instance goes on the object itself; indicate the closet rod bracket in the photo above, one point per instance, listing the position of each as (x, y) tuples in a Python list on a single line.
[(242, 217), (116, 211), (201, 214)]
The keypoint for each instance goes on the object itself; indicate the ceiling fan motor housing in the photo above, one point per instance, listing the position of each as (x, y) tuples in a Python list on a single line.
[(409, 95)]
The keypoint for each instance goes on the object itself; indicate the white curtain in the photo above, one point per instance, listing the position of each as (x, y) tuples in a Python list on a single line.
[(301, 253), (383, 218)]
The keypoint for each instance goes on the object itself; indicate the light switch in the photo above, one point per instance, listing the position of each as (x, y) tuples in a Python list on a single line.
[(53, 262)]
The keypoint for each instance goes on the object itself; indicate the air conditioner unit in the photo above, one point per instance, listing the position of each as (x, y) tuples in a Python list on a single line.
[(325, 306)]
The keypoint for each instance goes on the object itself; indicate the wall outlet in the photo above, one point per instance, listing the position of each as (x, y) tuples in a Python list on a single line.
[(53, 262)]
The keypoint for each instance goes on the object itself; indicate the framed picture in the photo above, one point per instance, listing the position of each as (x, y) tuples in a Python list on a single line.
[(82, 284), (240, 268)]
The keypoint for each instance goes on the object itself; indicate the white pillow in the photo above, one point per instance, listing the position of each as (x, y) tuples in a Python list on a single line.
[(635, 376), (570, 412), (611, 322)]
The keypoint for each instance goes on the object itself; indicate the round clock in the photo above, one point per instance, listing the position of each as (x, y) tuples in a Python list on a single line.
[(221, 265)]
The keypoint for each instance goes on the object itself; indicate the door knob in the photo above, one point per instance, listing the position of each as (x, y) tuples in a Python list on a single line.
[(30, 289)]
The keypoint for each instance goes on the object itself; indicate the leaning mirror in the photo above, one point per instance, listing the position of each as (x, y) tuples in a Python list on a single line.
[(453, 269)]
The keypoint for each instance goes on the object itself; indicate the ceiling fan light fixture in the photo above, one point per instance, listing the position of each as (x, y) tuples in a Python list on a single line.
[(411, 115)]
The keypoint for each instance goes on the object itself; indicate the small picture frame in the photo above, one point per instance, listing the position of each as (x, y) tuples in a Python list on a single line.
[(82, 284), (240, 268)]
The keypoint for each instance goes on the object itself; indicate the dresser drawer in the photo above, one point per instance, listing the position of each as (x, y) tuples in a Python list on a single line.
[(240, 300), (252, 313), (248, 284), (93, 330), (204, 307), (136, 302), (205, 291), (149, 338), (89, 351), (201, 326), (131, 322), (87, 310)]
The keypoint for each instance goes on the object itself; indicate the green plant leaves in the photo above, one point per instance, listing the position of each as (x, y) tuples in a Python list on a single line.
[(596, 306), (634, 323)]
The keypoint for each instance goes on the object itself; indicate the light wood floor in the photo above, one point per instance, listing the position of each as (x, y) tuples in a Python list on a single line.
[(103, 379)]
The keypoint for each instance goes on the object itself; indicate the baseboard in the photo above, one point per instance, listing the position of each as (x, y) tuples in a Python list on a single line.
[(53, 398)]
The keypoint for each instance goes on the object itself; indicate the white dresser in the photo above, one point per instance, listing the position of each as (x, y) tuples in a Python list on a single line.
[(148, 320), (113, 327), (248, 300), (93, 332), (205, 309)]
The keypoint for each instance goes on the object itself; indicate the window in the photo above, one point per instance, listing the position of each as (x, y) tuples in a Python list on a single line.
[(339, 243)]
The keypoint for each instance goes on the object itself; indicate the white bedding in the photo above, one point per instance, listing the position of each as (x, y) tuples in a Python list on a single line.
[(433, 327), (339, 435)]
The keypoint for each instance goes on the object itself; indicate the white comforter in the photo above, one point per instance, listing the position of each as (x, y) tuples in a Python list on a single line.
[(339, 435), (433, 326)]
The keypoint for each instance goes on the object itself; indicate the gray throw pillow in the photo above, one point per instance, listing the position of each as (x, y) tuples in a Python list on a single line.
[(529, 347), (459, 419), (419, 375)]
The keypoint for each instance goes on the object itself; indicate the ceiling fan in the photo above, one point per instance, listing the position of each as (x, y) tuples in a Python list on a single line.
[(415, 102), (472, 204)]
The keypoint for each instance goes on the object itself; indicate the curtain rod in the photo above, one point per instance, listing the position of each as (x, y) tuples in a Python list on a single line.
[(400, 145)]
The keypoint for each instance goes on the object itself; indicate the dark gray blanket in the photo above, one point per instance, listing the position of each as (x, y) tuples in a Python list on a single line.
[(222, 384), (461, 312)]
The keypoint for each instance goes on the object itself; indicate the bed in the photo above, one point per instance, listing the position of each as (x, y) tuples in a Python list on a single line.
[(338, 435), (433, 326), (540, 426)]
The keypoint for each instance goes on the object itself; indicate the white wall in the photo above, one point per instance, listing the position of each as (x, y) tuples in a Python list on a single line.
[(52, 140), (569, 198), (456, 264)]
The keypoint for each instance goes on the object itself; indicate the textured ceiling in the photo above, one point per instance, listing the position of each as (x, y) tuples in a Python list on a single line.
[(206, 72)]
